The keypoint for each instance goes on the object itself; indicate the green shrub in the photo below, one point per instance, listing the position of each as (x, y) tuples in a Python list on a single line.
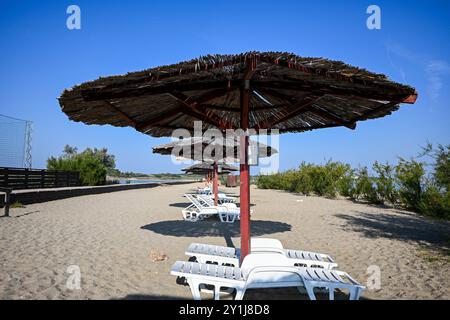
[(403, 184), (91, 167), (364, 186), (434, 203), (409, 175), (323, 180), (346, 184), (304, 181), (385, 183), (442, 167)]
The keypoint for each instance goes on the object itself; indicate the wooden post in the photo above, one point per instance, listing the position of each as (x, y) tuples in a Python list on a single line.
[(6, 178), (216, 184), (26, 178), (7, 202), (42, 178), (7, 192)]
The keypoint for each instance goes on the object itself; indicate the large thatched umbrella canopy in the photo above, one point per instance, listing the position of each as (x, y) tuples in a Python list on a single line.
[(288, 92), (252, 90)]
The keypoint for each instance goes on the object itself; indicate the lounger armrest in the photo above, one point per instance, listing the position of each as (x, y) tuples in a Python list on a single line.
[(350, 278)]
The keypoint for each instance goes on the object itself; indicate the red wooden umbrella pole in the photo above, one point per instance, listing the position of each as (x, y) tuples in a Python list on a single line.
[(245, 201), (216, 184), (245, 174)]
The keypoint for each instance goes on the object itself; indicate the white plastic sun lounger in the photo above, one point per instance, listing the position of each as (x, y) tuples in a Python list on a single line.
[(205, 253), (199, 210), (222, 199), (205, 190), (263, 271)]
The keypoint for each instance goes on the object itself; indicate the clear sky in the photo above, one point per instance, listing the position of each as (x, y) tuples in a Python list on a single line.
[(40, 57)]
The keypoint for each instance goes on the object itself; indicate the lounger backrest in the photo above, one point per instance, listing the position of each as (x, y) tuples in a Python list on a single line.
[(262, 269), (207, 199), (194, 201), (264, 259), (266, 243)]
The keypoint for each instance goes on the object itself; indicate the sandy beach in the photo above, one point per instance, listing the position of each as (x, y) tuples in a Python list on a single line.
[(125, 243)]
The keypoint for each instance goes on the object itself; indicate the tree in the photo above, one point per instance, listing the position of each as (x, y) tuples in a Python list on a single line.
[(92, 164)]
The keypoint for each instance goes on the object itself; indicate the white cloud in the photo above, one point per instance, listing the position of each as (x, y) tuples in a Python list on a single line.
[(435, 70)]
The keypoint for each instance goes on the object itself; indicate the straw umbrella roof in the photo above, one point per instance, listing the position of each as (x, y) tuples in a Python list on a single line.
[(204, 167), (288, 92), (204, 148)]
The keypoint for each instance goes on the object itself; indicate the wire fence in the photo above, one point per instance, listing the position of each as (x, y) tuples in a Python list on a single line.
[(15, 142)]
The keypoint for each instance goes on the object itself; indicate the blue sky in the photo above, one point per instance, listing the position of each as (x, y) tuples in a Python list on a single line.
[(40, 57)]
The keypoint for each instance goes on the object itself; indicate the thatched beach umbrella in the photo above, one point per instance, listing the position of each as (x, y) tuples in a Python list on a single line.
[(205, 167), (212, 172), (268, 90), (213, 150)]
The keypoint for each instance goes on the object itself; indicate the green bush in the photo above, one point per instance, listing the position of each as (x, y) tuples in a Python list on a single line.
[(434, 203), (304, 181), (89, 164), (409, 175), (364, 187), (323, 180), (442, 166), (385, 183), (404, 184)]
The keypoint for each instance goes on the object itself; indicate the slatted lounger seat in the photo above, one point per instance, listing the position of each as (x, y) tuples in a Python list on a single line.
[(206, 253), (262, 270)]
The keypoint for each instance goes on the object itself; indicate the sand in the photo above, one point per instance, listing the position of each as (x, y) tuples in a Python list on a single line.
[(124, 244)]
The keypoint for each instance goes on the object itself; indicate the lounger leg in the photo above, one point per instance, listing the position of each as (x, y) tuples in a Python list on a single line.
[(194, 285), (355, 293), (358, 294), (310, 291), (217, 292), (331, 293), (352, 294), (240, 292)]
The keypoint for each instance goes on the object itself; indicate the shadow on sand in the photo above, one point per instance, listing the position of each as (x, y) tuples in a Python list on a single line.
[(403, 226), (183, 205), (213, 228), (251, 294), (180, 205)]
